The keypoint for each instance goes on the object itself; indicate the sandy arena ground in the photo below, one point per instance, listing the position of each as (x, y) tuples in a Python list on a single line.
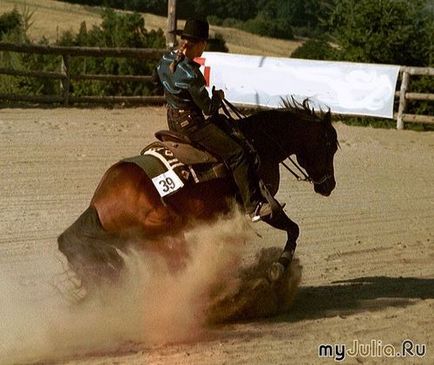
[(367, 251)]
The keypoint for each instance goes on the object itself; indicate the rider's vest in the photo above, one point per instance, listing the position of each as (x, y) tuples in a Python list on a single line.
[(185, 88)]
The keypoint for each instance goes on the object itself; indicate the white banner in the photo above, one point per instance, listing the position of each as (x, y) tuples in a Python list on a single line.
[(344, 87)]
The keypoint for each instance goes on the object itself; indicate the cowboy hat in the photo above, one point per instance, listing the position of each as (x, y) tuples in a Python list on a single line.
[(194, 29)]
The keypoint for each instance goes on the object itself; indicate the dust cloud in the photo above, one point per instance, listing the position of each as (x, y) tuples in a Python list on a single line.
[(152, 304)]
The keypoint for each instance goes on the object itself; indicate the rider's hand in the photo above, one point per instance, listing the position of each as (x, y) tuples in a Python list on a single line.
[(220, 94)]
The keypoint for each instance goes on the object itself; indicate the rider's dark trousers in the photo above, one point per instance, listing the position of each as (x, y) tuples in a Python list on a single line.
[(219, 143)]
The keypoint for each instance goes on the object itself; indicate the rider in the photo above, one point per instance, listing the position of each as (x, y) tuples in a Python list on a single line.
[(188, 101)]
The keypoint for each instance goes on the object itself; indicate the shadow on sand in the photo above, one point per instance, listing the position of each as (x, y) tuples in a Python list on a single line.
[(256, 298), (357, 295)]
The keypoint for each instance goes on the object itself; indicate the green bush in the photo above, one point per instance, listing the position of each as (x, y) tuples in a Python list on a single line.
[(307, 32), (422, 84), (12, 31), (42, 62), (11, 22), (232, 23), (275, 28), (21, 85), (315, 49), (217, 44), (116, 30), (214, 20)]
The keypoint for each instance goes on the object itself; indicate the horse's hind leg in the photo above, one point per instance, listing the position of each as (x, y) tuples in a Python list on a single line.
[(90, 250), (281, 221)]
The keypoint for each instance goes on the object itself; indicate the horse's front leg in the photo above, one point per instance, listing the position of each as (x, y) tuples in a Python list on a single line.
[(281, 221)]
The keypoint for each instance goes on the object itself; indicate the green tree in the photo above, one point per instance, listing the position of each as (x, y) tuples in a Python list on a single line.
[(383, 31), (261, 15)]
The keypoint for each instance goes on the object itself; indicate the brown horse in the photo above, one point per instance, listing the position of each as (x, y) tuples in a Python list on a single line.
[(126, 203)]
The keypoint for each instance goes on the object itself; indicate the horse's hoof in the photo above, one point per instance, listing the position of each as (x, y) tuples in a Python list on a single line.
[(276, 271)]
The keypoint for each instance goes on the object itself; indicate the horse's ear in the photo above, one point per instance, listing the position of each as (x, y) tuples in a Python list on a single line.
[(328, 117)]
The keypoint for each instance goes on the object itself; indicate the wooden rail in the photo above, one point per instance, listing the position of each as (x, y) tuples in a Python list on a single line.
[(66, 77), (83, 51), (404, 96), (62, 76)]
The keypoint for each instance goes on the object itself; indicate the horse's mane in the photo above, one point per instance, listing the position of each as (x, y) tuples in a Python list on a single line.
[(291, 111), (301, 110)]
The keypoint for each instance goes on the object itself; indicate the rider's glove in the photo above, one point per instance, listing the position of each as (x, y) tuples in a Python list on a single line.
[(218, 93)]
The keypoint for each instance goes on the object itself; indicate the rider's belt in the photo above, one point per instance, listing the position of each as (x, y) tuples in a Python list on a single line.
[(184, 117), (179, 116)]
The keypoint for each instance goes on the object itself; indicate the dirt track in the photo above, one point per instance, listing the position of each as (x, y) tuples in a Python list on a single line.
[(367, 251)]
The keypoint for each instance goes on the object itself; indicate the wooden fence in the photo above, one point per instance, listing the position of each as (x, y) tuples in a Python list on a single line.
[(404, 95), (67, 77)]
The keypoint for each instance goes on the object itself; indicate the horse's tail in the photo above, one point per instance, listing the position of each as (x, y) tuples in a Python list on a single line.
[(90, 250)]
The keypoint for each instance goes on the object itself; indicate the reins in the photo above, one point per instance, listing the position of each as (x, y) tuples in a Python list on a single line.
[(226, 105), (236, 111)]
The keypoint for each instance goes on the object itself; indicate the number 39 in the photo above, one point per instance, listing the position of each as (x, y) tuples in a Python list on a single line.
[(168, 184)]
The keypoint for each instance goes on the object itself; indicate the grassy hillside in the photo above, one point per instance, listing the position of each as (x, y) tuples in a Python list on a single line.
[(51, 17)]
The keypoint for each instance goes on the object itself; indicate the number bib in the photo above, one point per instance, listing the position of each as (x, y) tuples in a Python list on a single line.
[(167, 183)]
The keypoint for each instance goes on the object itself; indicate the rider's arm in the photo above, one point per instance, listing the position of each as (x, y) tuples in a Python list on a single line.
[(200, 97)]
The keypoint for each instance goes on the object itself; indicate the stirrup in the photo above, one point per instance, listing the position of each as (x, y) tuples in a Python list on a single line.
[(255, 216), (263, 209)]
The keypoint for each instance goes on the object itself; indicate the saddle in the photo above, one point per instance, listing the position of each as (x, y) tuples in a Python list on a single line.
[(173, 162), (183, 148)]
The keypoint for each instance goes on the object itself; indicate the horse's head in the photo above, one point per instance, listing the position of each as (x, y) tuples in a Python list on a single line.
[(317, 151), (296, 129)]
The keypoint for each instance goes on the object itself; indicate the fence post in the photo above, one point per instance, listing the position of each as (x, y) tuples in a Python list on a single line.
[(66, 82), (402, 99), (171, 24)]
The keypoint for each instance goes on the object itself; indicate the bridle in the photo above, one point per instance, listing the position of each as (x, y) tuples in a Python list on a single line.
[(304, 176)]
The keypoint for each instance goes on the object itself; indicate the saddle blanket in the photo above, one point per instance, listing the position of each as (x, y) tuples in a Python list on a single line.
[(168, 173)]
